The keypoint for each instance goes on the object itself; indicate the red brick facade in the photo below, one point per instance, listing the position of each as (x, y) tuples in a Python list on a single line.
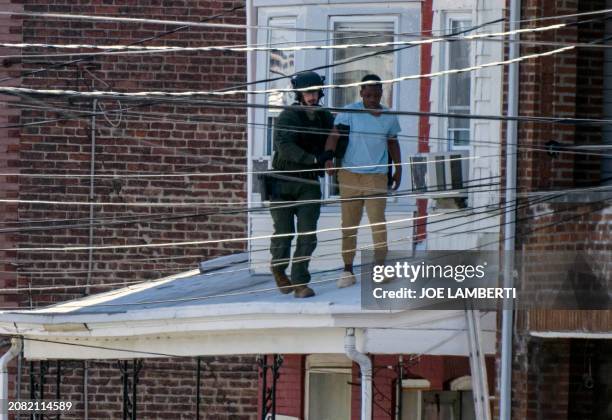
[(545, 371), (139, 143)]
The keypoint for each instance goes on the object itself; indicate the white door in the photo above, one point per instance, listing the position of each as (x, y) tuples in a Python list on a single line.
[(331, 25)]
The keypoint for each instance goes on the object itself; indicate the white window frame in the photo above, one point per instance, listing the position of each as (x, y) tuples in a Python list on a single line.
[(329, 98), (357, 18), (267, 113), (448, 17), (329, 363)]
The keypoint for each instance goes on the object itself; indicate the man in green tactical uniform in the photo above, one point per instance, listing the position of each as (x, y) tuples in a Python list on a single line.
[(299, 143)]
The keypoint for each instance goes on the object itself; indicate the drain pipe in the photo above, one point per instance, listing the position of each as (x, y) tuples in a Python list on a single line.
[(505, 389), (12, 352), (606, 161), (92, 179), (365, 365)]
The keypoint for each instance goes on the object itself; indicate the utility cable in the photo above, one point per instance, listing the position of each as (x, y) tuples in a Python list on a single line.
[(560, 148), (228, 25), (154, 94), (141, 41), (318, 258), (264, 290), (162, 48), (367, 246), (190, 243)]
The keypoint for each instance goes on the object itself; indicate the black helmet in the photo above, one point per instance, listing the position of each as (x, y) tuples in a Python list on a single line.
[(307, 79)]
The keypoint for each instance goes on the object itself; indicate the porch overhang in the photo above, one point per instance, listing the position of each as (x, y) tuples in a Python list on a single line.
[(229, 311)]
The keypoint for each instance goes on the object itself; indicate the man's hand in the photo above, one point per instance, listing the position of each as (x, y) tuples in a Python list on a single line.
[(329, 167), (397, 178)]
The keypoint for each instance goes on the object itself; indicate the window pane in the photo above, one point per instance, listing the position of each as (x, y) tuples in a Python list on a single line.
[(383, 65), (459, 129), (281, 63), (459, 57), (411, 405), (447, 405), (458, 85), (329, 396)]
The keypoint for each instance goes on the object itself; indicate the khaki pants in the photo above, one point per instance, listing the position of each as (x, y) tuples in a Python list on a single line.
[(363, 185)]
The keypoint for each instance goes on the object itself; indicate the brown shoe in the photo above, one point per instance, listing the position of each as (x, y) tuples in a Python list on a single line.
[(303, 291), (282, 282)]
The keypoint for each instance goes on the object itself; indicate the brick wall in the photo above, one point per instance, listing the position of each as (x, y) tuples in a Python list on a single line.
[(290, 392), (141, 143), (10, 30), (166, 388), (565, 85), (150, 139), (569, 85)]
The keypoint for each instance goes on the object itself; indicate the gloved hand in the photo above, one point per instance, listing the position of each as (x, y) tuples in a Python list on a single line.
[(324, 157)]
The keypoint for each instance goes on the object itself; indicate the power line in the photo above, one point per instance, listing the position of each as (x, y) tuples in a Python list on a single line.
[(233, 104), (250, 252), (264, 290), (154, 94), (162, 48), (367, 246), (229, 25), (190, 243), (219, 174), (141, 41), (560, 148), (230, 104), (171, 216)]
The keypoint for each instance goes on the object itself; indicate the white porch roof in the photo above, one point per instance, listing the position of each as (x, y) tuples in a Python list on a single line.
[(224, 309)]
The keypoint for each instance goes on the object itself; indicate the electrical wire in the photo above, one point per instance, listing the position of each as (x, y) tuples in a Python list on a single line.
[(154, 94), (460, 215), (83, 17), (560, 148), (141, 41), (264, 290), (206, 242), (173, 216), (162, 48), (233, 104), (318, 258), (367, 246)]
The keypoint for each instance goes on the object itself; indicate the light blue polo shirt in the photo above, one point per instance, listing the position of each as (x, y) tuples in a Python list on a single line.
[(367, 139)]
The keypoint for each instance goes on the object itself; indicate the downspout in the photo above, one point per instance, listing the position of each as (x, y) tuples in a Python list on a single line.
[(92, 177), (365, 365), (505, 392), (85, 390), (12, 352), (606, 161), (251, 37)]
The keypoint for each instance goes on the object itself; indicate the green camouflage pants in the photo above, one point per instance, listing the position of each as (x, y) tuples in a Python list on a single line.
[(284, 216)]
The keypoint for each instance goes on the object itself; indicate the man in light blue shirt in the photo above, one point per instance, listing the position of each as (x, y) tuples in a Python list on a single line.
[(372, 140)]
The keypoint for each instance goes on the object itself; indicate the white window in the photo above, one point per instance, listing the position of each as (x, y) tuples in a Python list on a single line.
[(280, 63), (328, 391), (457, 92), (351, 30), (420, 404), (359, 29)]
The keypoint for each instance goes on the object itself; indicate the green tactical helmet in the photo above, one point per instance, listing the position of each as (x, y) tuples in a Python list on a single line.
[(307, 79)]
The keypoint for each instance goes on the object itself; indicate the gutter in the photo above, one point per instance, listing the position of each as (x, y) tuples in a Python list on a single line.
[(505, 392), (365, 365), (6, 358)]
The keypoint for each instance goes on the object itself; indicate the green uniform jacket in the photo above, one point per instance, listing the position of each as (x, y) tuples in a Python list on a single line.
[(297, 149)]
